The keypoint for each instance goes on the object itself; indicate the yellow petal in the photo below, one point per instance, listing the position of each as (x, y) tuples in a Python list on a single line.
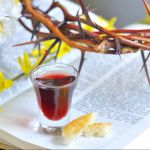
[(8, 84), (2, 78), (1, 109), (37, 62), (47, 44), (35, 52), (1, 86), (146, 20), (17, 2), (27, 64), (1, 27), (111, 23), (4, 83), (64, 49), (20, 62), (87, 27)]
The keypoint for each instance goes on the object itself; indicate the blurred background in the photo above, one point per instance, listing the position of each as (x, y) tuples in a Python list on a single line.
[(127, 11)]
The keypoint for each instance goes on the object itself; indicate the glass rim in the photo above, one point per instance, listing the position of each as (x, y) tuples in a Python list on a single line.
[(53, 65)]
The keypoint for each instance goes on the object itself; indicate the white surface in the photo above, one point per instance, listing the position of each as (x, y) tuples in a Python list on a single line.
[(141, 142)]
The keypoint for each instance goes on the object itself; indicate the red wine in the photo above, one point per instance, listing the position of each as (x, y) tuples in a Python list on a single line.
[(54, 98)]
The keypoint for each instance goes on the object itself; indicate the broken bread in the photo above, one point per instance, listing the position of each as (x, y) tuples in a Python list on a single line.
[(85, 125), (98, 130), (75, 128)]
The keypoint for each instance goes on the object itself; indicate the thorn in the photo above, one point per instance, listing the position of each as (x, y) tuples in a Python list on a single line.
[(145, 66), (145, 62)]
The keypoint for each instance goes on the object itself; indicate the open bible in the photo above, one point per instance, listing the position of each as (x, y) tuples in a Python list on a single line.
[(112, 86)]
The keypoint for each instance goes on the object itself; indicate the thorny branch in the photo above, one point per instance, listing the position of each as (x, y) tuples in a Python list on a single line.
[(71, 31)]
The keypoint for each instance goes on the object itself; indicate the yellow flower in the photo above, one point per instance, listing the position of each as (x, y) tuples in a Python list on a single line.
[(26, 64), (87, 27), (38, 61), (45, 46), (146, 20), (109, 24), (35, 52), (17, 2), (64, 49), (4, 82), (1, 109)]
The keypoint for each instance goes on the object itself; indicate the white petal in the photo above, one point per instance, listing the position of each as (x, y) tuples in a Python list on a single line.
[(10, 8), (8, 29), (6, 7)]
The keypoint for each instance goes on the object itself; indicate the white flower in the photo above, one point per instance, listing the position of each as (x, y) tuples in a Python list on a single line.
[(10, 8), (6, 29), (10, 11)]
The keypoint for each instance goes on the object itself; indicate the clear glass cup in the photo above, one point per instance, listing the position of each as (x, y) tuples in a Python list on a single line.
[(54, 86)]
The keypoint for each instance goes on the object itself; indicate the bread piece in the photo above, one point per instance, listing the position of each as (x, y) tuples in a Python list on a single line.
[(75, 128), (98, 130)]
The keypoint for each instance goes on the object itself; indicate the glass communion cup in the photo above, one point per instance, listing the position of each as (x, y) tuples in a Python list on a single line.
[(54, 86)]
